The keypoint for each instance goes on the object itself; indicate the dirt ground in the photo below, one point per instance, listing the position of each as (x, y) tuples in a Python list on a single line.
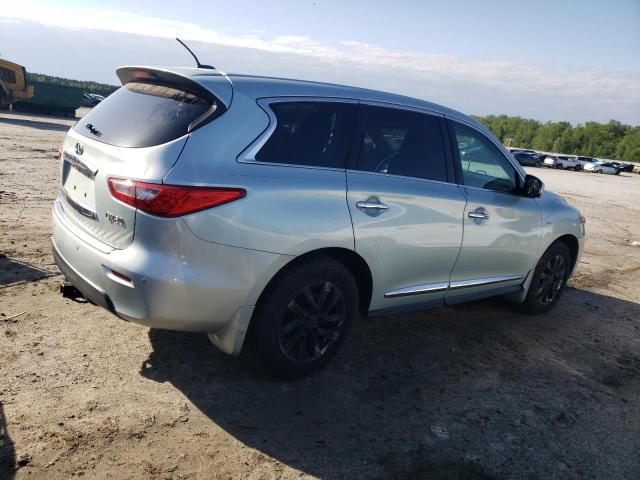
[(478, 391)]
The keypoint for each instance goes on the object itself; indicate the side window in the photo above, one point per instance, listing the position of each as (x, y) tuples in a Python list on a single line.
[(400, 142), (310, 133), (483, 166)]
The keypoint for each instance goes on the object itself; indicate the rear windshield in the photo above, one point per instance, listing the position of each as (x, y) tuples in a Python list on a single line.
[(142, 115)]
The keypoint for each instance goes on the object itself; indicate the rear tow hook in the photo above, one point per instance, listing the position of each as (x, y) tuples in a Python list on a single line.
[(69, 291)]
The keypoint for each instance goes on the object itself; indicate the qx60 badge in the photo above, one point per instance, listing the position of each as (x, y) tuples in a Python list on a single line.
[(79, 149), (114, 219)]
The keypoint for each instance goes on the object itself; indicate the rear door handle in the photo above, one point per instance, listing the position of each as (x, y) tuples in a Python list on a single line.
[(369, 205), (479, 214)]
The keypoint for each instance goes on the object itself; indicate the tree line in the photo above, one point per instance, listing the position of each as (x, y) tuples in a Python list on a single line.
[(612, 140), (103, 89)]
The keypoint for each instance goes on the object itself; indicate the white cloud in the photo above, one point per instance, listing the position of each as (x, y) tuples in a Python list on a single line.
[(564, 84)]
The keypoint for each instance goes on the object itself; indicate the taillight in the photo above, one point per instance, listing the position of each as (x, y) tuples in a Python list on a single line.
[(171, 200)]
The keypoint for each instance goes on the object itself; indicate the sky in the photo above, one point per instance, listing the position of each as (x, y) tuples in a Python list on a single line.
[(547, 59)]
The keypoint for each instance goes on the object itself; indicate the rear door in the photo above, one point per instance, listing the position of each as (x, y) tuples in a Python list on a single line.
[(406, 209), (136, 133), (502, 229)]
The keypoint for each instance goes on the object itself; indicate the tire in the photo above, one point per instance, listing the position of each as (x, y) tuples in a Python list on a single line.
[(537, 164), (578, 168), (548, 280), (598, 171), (559, 166), (296, 306)]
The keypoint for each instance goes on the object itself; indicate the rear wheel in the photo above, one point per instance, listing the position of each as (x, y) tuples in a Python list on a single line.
[(598, 171), (549, 279), (304, 318), (578, 168), (559, 166)]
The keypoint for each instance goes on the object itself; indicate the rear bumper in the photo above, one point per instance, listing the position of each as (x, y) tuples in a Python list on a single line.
[(178, 281), (90, 291)]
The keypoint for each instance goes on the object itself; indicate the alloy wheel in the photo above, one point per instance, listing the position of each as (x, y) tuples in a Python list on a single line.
[(551, 279), (312, 322)]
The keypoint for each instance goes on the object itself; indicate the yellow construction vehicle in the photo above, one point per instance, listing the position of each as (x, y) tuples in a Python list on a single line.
[(13, 83)]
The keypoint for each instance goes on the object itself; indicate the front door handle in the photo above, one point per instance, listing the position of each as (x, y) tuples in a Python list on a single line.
[(371, 205), (479, 214)]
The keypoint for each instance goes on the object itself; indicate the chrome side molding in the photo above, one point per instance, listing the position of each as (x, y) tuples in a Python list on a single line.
[(439, 287), (481, 282), (417, 290)]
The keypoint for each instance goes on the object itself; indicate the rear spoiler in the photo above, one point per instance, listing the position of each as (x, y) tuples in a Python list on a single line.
[(176, 80)]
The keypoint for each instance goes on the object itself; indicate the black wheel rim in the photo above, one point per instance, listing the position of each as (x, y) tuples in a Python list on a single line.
[(312, 322), (551, 279)]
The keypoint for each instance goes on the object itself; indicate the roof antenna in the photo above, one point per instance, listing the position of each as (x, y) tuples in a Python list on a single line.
[(199, 65)]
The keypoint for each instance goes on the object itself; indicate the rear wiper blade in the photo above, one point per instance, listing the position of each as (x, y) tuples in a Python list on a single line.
[(93, 130)]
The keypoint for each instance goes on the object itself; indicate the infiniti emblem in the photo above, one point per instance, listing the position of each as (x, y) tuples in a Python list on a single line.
[(79, 149)]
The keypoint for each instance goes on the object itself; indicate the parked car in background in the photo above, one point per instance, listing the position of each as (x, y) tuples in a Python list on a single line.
[(602, 167), (570, 163), (524, 150), (583, 161), (624, 167), (529, 159), (550, 160), (274, 212), (91, 99)]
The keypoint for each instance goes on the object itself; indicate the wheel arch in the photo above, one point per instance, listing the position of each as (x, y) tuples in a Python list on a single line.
[(571, 241), (351, 260)]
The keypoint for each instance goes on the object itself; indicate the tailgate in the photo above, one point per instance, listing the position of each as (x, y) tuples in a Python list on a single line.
[(86, 166), (136, 133)]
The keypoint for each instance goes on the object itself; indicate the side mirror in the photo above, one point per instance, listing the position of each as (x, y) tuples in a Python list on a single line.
[(533, 186)]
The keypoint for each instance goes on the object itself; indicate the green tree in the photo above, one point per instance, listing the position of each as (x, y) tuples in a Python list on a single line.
[(613, 140)]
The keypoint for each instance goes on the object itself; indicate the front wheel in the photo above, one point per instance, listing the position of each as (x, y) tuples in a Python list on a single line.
[(598, 171), (304, 318), (578, 168), (549, 279), (559, 166)]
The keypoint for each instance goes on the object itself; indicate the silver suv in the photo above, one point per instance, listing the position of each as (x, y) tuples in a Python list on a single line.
[(271, 213)]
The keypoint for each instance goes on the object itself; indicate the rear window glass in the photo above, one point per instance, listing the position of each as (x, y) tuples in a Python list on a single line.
[(310, 133), (142, 115)]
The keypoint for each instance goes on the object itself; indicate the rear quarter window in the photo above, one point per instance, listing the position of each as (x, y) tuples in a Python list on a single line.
[(310, 134), (143, 115)]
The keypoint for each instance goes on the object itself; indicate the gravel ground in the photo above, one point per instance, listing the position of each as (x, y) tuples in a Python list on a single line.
[(478, 391)]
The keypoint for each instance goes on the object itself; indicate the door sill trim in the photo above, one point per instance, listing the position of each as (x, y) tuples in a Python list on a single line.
[(447, 286), (481, 282)]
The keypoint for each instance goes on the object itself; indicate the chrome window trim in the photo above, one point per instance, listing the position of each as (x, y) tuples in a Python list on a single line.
[(248, 155), (398, 106), (446, 286)]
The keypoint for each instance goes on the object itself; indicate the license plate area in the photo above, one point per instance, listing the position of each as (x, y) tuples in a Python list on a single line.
[(78, 185)]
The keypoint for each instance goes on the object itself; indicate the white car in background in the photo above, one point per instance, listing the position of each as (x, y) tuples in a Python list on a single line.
[(574, 163), (555, 161), (602, 167)]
